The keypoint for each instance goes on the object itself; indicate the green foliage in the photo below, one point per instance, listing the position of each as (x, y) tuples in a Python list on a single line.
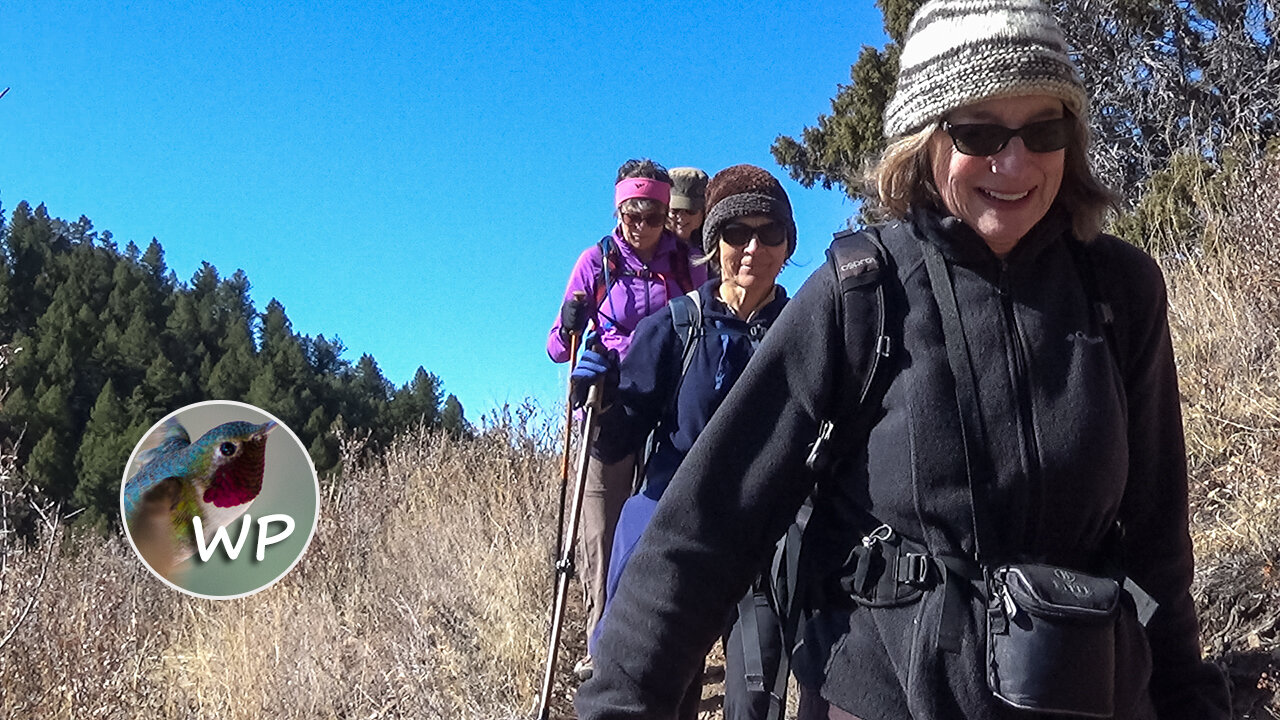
[(104, 450), (835, 151), (452, 419), (1179, 206), (49, 466), (109, 341), (417, 403), (1171, 213)]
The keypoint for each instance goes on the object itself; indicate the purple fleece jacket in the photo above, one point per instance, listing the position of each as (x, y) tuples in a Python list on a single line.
[(642, 290)]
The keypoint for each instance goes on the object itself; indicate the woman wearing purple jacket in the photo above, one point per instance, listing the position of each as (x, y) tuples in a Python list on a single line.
[(626, 276)]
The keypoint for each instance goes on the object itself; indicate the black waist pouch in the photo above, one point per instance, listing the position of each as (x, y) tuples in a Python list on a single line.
[(1051, 639)]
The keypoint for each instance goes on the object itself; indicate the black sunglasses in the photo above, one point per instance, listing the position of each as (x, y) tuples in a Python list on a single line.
[(651, 219), (738, 234), (989, 139)]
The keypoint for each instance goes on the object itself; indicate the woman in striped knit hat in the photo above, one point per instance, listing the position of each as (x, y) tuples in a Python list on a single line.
[(1002, 534)]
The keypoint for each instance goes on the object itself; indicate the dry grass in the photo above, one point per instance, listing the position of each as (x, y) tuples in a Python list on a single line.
[(1225, 316), (425, 592)]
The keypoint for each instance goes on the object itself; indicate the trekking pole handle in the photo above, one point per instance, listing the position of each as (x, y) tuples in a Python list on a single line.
[(574, 339)]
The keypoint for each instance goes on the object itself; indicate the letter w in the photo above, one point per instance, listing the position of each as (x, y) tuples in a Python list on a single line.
[(220, 537)]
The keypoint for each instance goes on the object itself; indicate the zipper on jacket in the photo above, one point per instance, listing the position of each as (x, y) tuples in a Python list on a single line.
[(1022, 389)]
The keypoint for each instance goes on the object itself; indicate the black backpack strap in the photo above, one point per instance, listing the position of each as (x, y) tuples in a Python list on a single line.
[(609, 261), (857, 259), (1091, 261), (784, 574), (977, 463), (752, 658), (686, 319)]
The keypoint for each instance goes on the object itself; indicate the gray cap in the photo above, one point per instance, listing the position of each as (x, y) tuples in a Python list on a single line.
[(689, 188)]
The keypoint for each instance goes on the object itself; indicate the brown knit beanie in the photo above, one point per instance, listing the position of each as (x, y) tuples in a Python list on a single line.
[(741, 191), (960, 52)]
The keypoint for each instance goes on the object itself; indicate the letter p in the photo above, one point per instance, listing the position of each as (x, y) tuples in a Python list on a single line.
[(264, 539)]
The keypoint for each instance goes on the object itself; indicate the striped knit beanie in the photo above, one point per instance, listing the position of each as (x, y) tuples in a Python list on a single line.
[(741, 191), (960, 52)]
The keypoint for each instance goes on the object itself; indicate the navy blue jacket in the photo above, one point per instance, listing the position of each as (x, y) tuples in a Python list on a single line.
[(650, 380)]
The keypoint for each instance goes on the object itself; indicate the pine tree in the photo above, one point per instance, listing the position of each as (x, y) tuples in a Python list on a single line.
[(452, 419), (153, 262), (232, 375), (101, 458), (417, 403), (835, 151), (162, 391), (50, 466)]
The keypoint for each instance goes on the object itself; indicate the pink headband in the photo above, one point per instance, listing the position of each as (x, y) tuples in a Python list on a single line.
[(641, 188)]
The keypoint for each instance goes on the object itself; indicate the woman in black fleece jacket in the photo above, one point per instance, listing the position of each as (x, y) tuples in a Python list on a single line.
[(1083, 460)]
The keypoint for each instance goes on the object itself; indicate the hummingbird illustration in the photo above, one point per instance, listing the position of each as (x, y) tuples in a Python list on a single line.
[(215, 478)]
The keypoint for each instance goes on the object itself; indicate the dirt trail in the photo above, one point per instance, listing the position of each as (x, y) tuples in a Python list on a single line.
[(573, 646)]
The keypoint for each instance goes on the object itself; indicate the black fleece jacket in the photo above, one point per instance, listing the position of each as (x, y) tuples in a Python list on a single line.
[(1076, 444)]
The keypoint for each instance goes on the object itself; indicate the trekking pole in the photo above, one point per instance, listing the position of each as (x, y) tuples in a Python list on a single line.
[(568, 430), (564, 563)]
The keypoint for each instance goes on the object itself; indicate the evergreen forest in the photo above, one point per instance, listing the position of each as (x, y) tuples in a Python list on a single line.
[(101, 342)]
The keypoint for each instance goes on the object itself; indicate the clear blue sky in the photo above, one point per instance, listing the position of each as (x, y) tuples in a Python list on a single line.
[(415, 178)]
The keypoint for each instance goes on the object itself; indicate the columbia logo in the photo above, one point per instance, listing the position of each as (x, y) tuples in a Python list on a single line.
[(1080, 337)]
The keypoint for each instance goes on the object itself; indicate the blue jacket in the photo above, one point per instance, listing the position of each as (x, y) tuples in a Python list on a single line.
[(650, 381)]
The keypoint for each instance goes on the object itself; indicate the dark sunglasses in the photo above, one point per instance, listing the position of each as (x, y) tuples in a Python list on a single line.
[(651, 219), (738, 234), (988, 139)]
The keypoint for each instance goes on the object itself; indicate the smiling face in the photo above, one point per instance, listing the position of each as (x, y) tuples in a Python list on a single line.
[(684, 222), (1004, 195), (753, 265)]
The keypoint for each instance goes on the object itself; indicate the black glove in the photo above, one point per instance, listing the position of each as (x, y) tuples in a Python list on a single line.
[(573, 317), (597, 365)]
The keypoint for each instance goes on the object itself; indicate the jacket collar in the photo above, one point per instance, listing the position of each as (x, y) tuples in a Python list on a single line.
[(960, 244), (668, 243), (713, 306)]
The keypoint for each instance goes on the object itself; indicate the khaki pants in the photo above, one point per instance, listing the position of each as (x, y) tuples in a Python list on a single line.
[(606, 489)]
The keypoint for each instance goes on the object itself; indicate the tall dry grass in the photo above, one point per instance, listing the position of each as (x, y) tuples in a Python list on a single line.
[(1225, 318), (425, 592)]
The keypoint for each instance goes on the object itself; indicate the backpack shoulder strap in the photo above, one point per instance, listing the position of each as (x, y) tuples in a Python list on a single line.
[(1092, 261), (858, 260), (680, 267), (609, 262), (686, 318)]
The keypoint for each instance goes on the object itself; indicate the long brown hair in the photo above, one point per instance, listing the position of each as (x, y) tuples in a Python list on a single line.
[(902, 177)]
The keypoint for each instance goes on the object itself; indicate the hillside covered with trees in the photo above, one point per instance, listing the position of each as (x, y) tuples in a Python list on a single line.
[(103, 342)]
